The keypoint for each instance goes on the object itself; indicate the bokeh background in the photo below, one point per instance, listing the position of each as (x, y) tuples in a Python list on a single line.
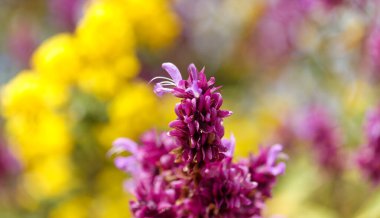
[(74, 76)]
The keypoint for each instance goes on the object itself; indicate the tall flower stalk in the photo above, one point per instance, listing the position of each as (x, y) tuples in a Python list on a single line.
[(189, 171)]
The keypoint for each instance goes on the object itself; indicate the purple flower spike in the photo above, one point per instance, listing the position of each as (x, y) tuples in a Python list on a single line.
[(188, 172), (368, 158), (264, 168), (198, 127)]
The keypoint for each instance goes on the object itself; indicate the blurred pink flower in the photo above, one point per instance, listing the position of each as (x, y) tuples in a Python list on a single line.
[(373, 50), (22, 40), (318, 128), (369, 154), (278, 29), (66, 12)]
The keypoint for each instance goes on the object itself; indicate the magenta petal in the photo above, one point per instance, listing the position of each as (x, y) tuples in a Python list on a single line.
[(159, 90), (193, 72), (279, 169), (127, 164), (173, 72), (194, 76), (274, 151), (124, 144), (130, 186), (230, 146)]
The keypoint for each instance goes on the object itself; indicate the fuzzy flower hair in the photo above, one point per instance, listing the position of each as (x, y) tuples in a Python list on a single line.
[(188, 172)]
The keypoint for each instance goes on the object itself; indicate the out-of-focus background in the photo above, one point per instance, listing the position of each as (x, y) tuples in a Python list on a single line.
[(74, 76)]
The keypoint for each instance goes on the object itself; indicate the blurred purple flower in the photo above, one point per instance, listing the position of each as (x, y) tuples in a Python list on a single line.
[(373, 49), (150, 165), (22, 40), (369, 155), (264, 169), (198, 127), (276, 34), (146, 160), (9, 166), (318, 128), (66, 12)]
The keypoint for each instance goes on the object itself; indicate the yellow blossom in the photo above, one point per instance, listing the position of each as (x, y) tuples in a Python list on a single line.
[(155, 23), (105, 79), (99, 81), (75, 207), (104, 32), (51, 176), (28, 93), (58, 59), (38, 136), (130, 113)]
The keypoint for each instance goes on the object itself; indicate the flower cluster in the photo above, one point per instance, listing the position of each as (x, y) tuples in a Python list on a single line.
[(81, 90), (189, 172), (368, 158)]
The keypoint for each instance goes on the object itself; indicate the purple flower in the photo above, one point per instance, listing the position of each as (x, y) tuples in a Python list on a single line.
[(10, 169), (198, 127), (146, 161), (330, 4), (227, 190), (188, 172), (66, 12), (285, 16), (368, 158), (318, 128), (22, 40), (217, 189), (264, 169), (373, 50), (155, 199)]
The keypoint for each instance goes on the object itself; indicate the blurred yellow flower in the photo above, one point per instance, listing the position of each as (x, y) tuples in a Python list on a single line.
[(39, 136), (155, 23), (58, 59), (29, 94), (104, 80), (50, 176), (131, 112), (76, 207), (104, 33)]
